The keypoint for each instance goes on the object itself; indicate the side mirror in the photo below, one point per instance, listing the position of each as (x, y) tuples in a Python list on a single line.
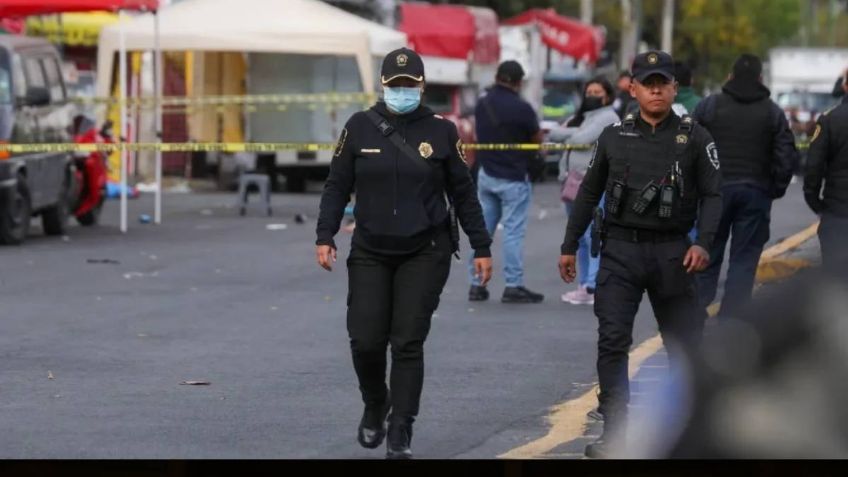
[(37, 96)]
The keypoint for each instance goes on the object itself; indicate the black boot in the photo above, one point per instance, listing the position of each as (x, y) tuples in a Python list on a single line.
[(372, 427), (521, 295), (611, 439), (399, 440), (478, 293), (599, 448)]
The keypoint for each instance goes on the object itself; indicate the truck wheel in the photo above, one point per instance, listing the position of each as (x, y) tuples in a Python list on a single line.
[(295, 182), (54, 219), (15, 217), (92, 217)]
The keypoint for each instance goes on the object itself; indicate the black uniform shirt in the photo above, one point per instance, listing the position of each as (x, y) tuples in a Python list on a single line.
[(644, 155), (400, 201), (827, 161)]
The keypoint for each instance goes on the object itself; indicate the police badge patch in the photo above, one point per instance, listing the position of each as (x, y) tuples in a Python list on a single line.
[(712, 153), (340, 144), (425, 149), (682, 139)]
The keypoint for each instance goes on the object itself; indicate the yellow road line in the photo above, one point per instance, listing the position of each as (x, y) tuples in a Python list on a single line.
[(568, 419)]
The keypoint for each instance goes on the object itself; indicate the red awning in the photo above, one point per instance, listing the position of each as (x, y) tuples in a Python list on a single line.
[(22, 8), (566, 35), (451, 31)]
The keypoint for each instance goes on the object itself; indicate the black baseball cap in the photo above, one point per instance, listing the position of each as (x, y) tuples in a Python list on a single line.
[(510, 71), (402, 63), (653, 63)]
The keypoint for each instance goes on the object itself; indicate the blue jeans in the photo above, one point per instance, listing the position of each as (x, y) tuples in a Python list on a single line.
[(587, 266), (746, 216), (507, 202)]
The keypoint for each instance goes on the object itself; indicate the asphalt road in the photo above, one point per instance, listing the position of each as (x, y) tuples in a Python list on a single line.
[(92, 354)]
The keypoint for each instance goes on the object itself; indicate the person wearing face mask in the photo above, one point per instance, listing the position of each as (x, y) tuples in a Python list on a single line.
[(407, 165), (596, 113)]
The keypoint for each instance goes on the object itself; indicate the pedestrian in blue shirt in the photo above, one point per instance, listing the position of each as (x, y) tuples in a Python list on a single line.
[(503, 186)]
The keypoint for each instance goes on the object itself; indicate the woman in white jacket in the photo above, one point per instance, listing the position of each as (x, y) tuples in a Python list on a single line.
[(595, 114)]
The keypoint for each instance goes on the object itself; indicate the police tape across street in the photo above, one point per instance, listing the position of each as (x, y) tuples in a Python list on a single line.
[(249, 147), (247, 99), (258, 147)]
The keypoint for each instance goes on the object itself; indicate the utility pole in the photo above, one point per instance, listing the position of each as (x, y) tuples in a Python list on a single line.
[(631, 16), (667, 25), (586, 11)]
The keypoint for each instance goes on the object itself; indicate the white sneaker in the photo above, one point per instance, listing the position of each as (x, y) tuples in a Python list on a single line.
[(579, 297)]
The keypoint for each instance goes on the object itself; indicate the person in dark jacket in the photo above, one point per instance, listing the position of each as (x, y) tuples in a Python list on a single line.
[(826, 184), (758, 156), (402, 160)]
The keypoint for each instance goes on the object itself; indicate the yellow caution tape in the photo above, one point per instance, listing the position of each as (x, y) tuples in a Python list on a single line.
[(306, 98), (252, 147), (246, 147)]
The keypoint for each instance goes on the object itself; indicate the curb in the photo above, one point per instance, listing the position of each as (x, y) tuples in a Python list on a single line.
[(568, 419)]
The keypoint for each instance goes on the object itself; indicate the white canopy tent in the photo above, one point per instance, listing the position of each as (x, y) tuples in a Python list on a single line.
[(307, 27)]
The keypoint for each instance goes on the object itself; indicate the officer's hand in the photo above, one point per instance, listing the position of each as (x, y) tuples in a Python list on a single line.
[(696, 259), (568, 268), (483, 270), (326, 256)]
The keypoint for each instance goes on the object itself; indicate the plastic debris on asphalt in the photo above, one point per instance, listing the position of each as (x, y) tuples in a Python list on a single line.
[(103, 260)]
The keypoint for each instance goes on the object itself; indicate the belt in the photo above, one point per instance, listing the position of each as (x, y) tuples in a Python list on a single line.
[(629, 234)]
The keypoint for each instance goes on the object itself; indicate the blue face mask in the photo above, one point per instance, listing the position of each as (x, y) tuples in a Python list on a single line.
[(402, 100)]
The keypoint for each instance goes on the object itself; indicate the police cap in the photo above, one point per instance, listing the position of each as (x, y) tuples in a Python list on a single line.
[(402, 63), (653, 63)]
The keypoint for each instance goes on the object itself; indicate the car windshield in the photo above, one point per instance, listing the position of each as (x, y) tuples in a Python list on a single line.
[(806, 101)]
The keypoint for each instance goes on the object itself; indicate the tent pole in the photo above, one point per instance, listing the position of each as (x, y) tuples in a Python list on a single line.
[(122, 97), (157, 91)]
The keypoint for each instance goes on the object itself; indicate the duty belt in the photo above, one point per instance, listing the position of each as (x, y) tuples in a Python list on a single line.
[(629, 234)]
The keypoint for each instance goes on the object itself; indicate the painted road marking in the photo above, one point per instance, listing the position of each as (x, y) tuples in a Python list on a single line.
[(568, 419)]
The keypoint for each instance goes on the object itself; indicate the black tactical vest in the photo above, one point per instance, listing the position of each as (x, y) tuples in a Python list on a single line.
[(637, 160)]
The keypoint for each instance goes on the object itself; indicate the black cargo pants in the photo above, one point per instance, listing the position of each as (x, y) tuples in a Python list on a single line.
[(628, 268), (391, 300)]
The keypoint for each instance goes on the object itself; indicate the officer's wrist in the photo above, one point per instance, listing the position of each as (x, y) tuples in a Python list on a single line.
[(482, 253), (568, 249)]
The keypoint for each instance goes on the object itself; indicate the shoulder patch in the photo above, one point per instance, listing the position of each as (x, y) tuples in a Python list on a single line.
[(340, 144), (712, 154), (816, 133), (460, 149)]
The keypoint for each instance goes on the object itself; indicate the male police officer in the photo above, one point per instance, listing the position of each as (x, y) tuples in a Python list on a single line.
[(827, 161), (655, 168)]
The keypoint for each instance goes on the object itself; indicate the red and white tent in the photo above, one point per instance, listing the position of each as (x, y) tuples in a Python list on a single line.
[(563, 34)]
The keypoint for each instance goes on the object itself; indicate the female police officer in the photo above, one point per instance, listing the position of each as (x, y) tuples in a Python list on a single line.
[(402, 159)]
